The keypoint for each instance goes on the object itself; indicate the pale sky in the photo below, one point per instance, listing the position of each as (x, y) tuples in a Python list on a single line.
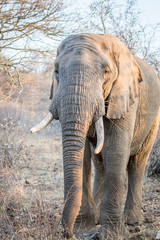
[(150, 8)]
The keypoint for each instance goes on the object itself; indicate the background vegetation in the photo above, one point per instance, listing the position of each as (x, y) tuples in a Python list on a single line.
[(31, 175)]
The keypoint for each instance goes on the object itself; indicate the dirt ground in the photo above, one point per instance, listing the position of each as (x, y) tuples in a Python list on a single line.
[(31, 190)]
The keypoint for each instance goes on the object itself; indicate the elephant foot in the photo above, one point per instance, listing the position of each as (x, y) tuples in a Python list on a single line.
[(85, 221), (66, 233), (87, 213), (133, 217), (113, 232), (88, 217), (110, 235)]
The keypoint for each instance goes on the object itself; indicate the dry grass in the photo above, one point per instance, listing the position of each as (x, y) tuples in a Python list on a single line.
[(31, 185)]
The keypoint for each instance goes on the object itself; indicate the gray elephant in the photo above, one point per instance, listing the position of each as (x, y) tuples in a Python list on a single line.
[(108, 104)]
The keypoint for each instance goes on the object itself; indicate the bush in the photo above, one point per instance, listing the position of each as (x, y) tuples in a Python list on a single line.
[(24, 211)]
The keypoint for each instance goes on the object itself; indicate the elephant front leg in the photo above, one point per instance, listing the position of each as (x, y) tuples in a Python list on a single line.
[(86, 216), (111, 214)]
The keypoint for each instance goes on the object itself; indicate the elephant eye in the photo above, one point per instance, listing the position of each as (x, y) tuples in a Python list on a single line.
[(56, 74), (107, 70), (56, 68)]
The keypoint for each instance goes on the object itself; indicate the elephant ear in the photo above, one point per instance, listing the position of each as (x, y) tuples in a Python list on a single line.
[(126, 87), (54, 86)]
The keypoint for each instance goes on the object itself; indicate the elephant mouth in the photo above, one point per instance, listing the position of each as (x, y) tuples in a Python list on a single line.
[(98, 125)]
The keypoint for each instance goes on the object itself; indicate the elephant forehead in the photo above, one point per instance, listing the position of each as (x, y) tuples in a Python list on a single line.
[(83, 54), (93, 42)]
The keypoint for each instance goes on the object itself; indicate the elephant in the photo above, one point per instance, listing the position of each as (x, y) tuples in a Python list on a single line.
[(108, 103)]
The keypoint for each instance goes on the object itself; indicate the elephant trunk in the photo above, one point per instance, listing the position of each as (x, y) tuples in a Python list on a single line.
[(75, 117), (73, 151)]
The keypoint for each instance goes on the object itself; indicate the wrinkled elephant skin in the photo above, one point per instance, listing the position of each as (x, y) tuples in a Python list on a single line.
[(96, 76)]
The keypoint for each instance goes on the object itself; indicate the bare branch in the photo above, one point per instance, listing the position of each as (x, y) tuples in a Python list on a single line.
[(25, 27)]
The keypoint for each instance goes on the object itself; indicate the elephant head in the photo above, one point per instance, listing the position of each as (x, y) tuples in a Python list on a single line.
[(95, 75)]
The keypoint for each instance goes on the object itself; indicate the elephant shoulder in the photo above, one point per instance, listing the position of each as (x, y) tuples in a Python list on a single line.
[(149, 99), (147, 70), (149, 76)]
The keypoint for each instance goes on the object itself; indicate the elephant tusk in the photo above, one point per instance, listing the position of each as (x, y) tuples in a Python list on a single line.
[(42, 124), (100, 135)]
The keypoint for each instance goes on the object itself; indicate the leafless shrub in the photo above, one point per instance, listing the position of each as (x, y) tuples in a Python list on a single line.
[(28, 29), (24, 211), (23, 19)]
